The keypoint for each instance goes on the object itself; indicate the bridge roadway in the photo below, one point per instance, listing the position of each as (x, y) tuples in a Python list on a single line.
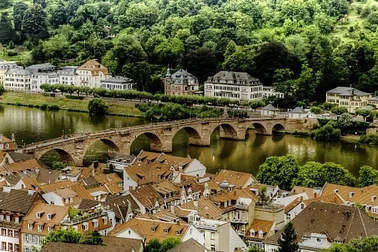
[(72, 148)]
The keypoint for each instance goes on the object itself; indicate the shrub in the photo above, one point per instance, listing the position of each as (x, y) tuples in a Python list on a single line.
[(53, 107), (43, 106), (12, 53)]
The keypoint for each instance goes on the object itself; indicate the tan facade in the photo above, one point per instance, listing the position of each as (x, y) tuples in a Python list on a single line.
[(348, 97)]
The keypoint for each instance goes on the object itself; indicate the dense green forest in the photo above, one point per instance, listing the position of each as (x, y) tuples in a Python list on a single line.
[(302, 47)]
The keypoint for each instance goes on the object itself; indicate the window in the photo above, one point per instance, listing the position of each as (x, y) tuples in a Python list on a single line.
[(95, 223), (105, 220), (212, 247), (10, 232), (30, 226), (16, 248), (10, 246), (15, 234), (212, 237), (85, 226), (3, 246), (16, 219), (3, 232), (40, 228), (8, 218), (1, 216), (166, 230), (38, 215), (48, 216)]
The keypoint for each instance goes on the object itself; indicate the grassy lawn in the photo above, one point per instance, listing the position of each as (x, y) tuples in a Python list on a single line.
[(64, 103)]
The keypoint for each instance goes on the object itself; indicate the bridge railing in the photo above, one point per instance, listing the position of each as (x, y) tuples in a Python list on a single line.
[(75, 137)]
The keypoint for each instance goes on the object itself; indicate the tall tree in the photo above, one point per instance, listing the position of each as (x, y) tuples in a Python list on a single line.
[(202, 63), (58, 15), (6, 28), (19, 9), (34, 24), (287, 241)]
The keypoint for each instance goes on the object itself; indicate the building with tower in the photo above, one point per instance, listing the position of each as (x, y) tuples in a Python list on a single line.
[(181, 83)]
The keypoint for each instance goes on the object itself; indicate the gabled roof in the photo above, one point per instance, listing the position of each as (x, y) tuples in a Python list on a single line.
[(190, 245), (303, 189), (74, 247), (119, 205), (265, 226), (297, 110), (206, 208), (19, 166), (152, 229), (347, 91), (239, 179), (47, 176), (94, 66), (17, 200), (269, 107), (338, 222), (147, 196)]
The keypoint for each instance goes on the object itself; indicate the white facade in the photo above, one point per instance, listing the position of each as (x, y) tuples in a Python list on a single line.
[(53, 199), (195, 168), (118, 83), (17, 79), (9, 239), (37, 79), (217, 235), (312, 242), (67, 75), (128, 182), (237, 86), (4, 67), (30, 242)]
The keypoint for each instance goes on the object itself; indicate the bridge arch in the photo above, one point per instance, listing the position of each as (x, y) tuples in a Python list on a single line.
[(156, 143), (99, 149), (64, 155), (259, 129), (194, 136), (227, 131), (278, 127)]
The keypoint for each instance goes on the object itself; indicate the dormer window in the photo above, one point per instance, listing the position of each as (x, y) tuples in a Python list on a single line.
[(85, 226), (252, 232), (153, 229), (336, 191), (71, 200), (1, 217), (66, 200), (95, 223), (38, 215), (166, 230), (351, 194), (49, 216), (50, 229), (178, 232), (105, 220), (16, 219), (30, 226), (40, 227), (373, 198), (261, 234)]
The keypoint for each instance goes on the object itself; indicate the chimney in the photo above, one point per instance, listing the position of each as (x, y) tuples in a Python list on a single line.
[(30, 192), (195, 202), (173, 209)]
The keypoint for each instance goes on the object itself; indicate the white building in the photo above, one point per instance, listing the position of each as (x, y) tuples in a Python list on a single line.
[(42, 74), (237, 86), (218, 235), (4, 67), (118, 83), (67, 75), (17, 79), (91, 73)]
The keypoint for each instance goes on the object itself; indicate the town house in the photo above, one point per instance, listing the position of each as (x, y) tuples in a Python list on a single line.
[(180, 83), (348, 97)]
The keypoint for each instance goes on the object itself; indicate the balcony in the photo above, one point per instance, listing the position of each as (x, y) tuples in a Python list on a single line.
[(239, 221), (241, 232), (81, 218), (241, 206)]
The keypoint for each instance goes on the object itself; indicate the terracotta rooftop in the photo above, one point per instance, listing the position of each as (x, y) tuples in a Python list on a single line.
[(147, 196), (73, 247), (152, 229), (17, 200), (239, 179), (190, 245), (264, 225), (19, 166), (303, 189), (57, 214), (94, 66), (7, 144), (206, 208)]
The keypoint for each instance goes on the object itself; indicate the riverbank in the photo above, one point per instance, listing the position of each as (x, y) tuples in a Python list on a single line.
[(36, 100)]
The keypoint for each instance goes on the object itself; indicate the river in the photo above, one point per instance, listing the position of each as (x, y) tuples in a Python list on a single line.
[(32, 125)]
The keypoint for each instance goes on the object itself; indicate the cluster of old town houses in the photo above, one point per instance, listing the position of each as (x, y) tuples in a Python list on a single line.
[(131, 200)]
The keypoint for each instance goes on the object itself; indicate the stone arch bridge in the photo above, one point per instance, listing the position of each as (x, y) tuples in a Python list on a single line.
[(72, 148)]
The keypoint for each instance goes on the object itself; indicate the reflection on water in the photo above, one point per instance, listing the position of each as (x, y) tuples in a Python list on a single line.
[(32, 125)]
